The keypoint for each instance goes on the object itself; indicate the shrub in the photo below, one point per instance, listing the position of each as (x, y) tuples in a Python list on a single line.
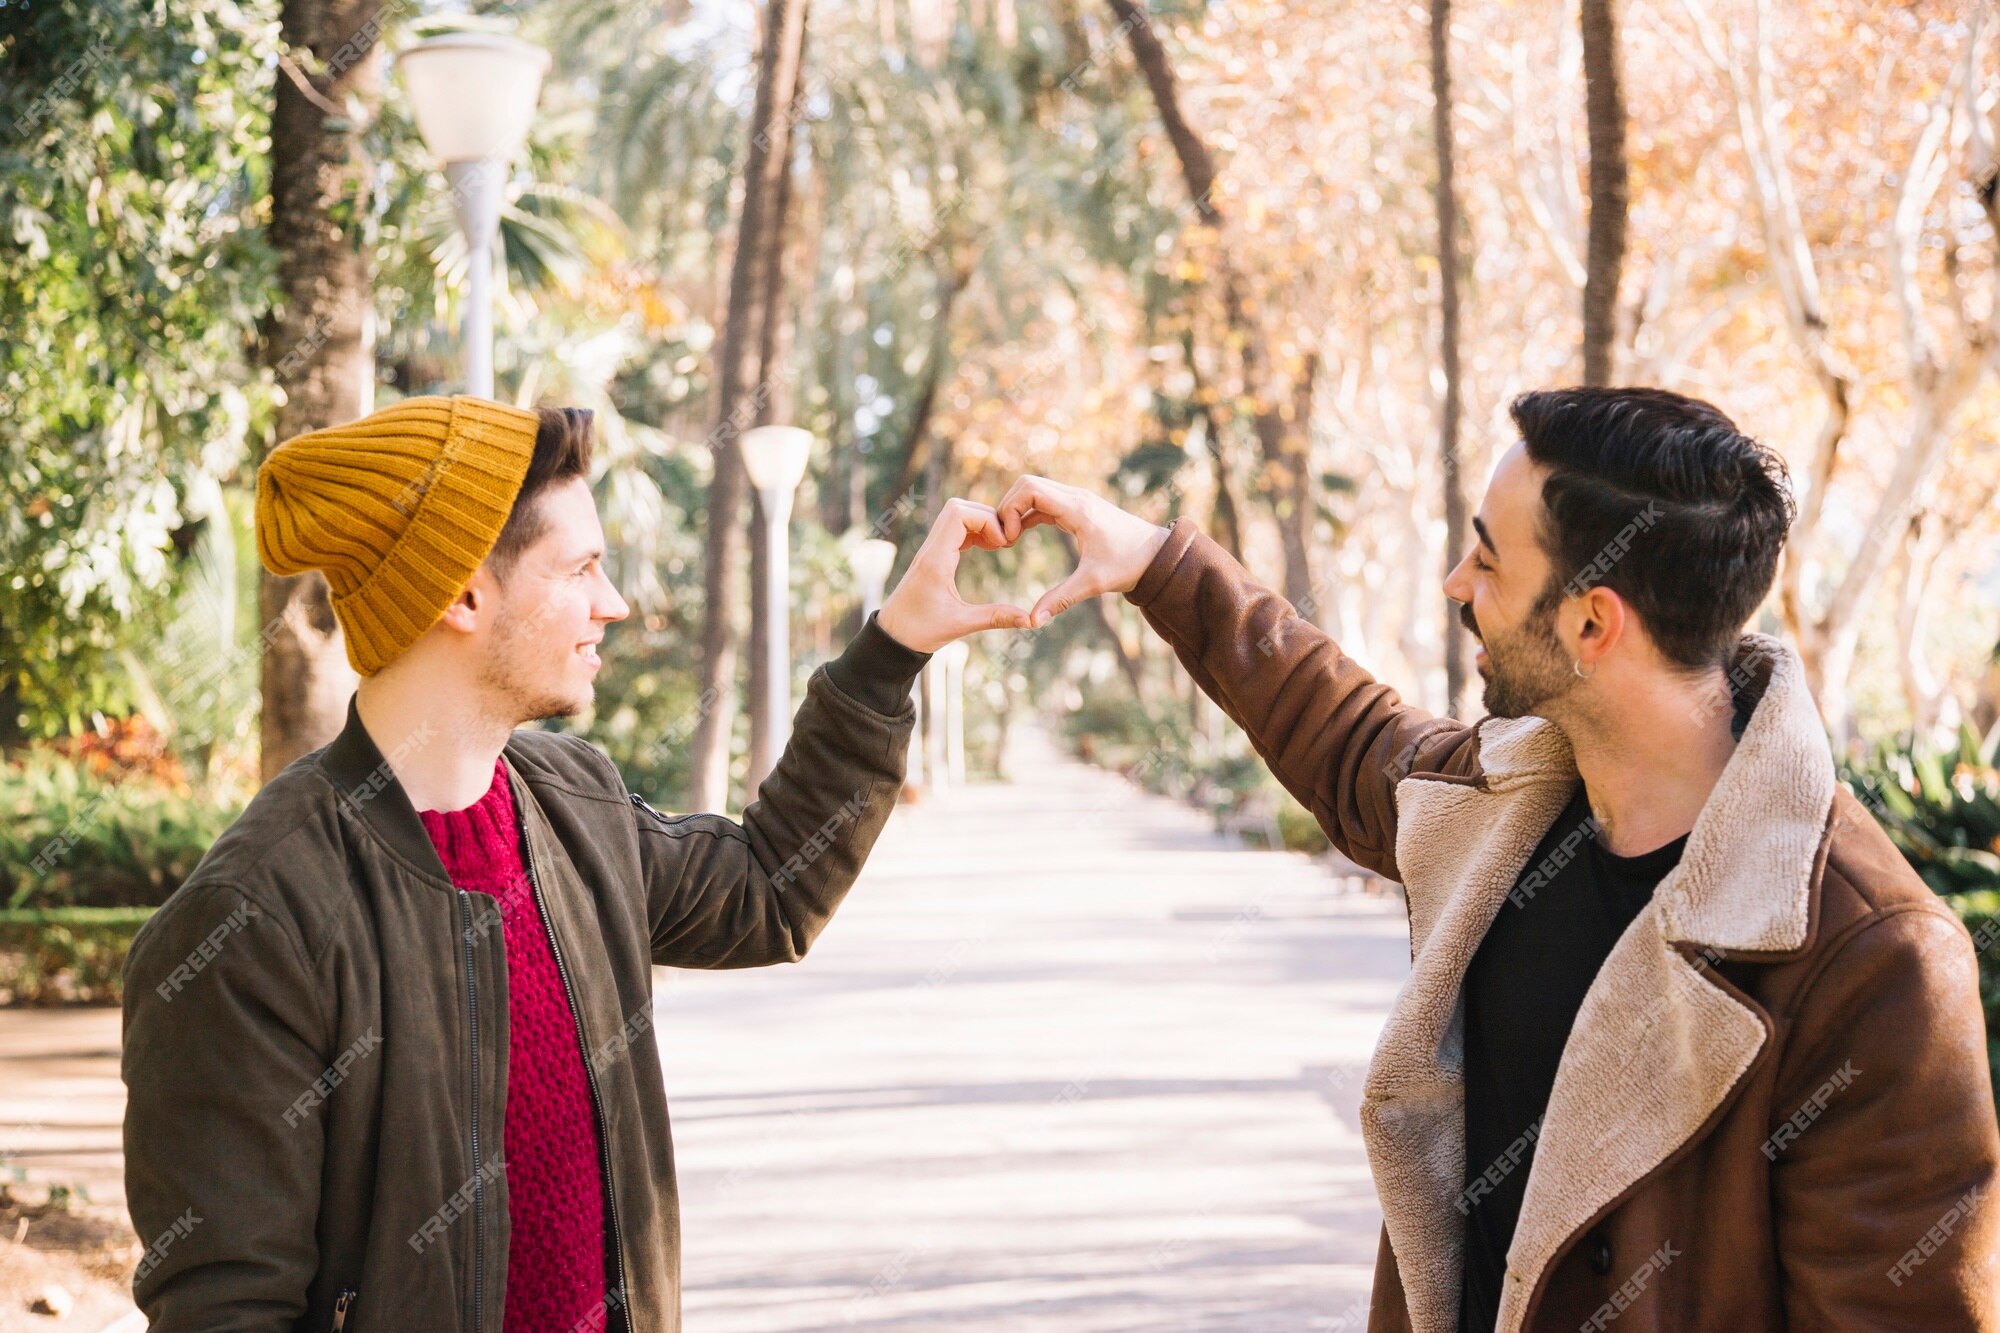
[(66, 955), (73, 836), (1159, 749), (1942, 810)]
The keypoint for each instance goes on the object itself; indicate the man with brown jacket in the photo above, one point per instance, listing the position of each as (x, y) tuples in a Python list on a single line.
[(1685, 1044), (405, 1001)]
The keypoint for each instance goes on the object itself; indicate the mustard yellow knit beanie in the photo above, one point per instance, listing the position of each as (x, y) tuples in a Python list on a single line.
[(397, 509)]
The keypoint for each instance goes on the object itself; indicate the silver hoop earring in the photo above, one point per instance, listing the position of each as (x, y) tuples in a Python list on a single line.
[(1576, 665)]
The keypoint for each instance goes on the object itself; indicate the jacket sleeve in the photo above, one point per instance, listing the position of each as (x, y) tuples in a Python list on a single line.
[(222, 1033), (1336, 738), (726, 894), (1882, 1191)]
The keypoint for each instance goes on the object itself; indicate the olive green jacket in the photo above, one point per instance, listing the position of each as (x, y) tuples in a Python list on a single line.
[(315, 1034)]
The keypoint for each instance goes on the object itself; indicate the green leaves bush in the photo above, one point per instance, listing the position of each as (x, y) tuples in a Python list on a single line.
[(1942, 810), (66, 955), (133, 141), (1158, 747), (69, 838)]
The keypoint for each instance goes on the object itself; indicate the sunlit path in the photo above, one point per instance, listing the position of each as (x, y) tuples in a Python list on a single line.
[(1067, 1060)]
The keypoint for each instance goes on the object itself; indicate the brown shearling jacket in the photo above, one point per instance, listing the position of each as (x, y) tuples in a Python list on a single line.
[(1774, 1110)]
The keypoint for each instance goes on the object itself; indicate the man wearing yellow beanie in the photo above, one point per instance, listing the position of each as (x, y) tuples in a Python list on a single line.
[(386, 1049)]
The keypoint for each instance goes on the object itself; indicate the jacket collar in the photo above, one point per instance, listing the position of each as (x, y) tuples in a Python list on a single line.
[(1743, 884), (1659, 1042), (366, 791)]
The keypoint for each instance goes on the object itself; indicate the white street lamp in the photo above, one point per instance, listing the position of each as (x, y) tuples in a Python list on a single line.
[(474, 94), (871, 561), (775, 457), (954, 655)]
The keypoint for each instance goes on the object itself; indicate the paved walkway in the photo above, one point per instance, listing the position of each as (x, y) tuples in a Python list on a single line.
[(1066, 1061)]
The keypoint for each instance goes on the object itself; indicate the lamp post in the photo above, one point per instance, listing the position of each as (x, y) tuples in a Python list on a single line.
[(473, 94), (871, 561), (774, 458), (954, 655)]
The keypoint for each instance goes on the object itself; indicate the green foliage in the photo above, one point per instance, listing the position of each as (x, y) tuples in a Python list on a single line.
[(133, 142), (69, 838), (72, 954), (192, 664), (647, 706), (649, 730), (1158, 747), (1941, 809)]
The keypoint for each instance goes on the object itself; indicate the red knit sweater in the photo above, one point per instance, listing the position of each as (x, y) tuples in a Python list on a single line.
[(555, 1189)]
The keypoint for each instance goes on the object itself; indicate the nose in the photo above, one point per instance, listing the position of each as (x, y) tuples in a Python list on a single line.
[(1458, 583), (610, 606)]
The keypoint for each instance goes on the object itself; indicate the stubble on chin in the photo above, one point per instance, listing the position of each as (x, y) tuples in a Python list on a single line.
[(506, 677), (1523, 678), (553, 709)]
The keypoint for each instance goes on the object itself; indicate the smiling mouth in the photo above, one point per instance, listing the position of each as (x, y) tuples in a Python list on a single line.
[(588, 652)]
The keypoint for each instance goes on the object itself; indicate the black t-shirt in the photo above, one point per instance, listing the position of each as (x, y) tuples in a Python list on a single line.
[(1565, 912)]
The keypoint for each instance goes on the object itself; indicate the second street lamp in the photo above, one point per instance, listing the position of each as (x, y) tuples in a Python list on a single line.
[(871, 561), (473, 94), (774, 458)]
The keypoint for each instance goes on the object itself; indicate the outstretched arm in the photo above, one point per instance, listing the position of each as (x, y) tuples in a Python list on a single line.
[(1336, 738), (723, 893)]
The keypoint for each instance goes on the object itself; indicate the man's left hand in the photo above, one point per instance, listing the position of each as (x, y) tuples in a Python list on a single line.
[(925, 612)]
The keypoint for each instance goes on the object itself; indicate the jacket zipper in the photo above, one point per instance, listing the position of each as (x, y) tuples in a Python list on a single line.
[(340, 1304), (623, 1296), (478, 1184)]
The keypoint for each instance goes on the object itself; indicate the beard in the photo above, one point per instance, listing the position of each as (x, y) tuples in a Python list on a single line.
[(1526, 667), (519, 672)]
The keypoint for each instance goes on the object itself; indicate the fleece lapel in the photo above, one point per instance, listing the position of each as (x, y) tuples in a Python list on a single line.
[(1656, 1046), (1460, 845)]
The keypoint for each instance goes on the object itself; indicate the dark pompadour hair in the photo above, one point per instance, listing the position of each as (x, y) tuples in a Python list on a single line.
[(1660, 498), (563, 442)]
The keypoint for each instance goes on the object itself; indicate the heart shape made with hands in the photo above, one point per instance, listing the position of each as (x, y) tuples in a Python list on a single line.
[(926, 611), (1111, 549)]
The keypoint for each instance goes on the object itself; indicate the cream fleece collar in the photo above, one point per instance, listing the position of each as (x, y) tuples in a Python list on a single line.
[(1657, 1045)]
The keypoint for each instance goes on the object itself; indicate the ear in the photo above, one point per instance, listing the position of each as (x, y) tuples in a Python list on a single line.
[(1601, 625), (471, 607)]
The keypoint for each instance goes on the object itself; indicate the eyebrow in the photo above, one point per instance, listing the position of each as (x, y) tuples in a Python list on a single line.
[(1485, 537)]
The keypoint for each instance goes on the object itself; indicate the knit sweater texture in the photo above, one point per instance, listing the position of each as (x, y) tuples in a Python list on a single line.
[(555, 1187)]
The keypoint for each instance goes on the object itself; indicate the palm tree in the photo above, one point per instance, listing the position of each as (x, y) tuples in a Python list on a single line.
[(1452, 410), (742, 378), (318, 340), (1604, 261), (1281, 411)]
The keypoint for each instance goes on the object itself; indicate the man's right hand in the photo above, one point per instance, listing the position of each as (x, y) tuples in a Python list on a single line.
[(1113, 547)]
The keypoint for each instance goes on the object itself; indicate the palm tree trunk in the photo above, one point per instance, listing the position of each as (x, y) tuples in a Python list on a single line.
[(319, 340), (774, 347), (918, 445), (741, 387), (1282, 437), (1604, 259), (1456, 681)]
